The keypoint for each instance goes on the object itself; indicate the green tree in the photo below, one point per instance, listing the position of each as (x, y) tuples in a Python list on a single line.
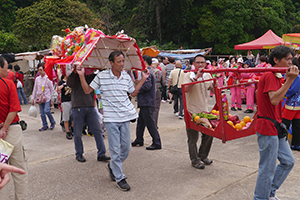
[(7, 14), (8, 43), (35, 25)]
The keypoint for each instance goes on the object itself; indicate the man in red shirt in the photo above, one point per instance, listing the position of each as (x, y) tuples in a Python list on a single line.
[(11, 130), (10, 75), (269, 97)]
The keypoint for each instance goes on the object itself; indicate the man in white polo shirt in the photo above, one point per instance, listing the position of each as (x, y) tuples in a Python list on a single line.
[(118, 111)]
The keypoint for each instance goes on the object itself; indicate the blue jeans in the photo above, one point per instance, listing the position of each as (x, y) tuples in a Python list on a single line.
[(119, 139), (45, 110), (90, 117), (21, 95), (270, 177)]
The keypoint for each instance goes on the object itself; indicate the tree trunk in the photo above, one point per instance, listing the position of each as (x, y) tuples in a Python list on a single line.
[(158, 24)]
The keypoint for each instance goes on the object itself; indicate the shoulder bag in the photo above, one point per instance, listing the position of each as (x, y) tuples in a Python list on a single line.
[(174, 89)]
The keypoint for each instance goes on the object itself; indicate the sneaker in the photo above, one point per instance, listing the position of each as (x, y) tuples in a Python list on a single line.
[(239, 108), (170, 102), (163, 101), (123, 185), (69, 135), (80, 158), (84, 132), (112, 176), (43, 128), (207, 161), (274, 198), (198, 165), (180, 116), (233, 109), (295, 147), (176, 114), (52, 126), (90, 134)]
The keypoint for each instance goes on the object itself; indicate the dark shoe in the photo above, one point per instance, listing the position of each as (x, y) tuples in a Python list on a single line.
[(84, 132), (90, 134), (233, 109), (52, 126), (239, 109), (207, 161), (135, 143), (198, 165), (170, 102), (69, 135), (80, 158), (248, 111), (112, 176), (43, 128), (153, 147), (123, 185), (295, 147), (103, 158)]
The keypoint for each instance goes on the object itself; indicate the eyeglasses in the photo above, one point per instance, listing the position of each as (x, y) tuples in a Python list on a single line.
[(200, 62)]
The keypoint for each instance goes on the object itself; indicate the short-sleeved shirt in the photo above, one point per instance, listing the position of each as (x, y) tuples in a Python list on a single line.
[(114, 94), (160, 80), (268, 82), (65, 92), (196, 98), (9, 100), (11, 76), (174, 76)]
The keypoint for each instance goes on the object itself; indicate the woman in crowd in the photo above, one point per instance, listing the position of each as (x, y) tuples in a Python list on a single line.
[(291, 110), (236, 100), (43, 89), (20, 84), (248, 90)]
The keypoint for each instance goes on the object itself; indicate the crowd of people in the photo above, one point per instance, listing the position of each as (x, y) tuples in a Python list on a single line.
[(107, 95)]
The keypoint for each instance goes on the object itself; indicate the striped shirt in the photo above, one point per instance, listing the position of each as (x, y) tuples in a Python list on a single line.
[(116, 104)]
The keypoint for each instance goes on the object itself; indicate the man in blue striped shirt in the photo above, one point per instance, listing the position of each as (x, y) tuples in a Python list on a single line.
[(118, 111)]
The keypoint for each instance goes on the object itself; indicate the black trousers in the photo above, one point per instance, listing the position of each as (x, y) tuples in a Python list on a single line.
[(146, 120), (295, 130)]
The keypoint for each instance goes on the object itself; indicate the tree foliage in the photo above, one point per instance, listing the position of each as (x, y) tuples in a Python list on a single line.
[(36, 24), (220, 24), (8, 42)]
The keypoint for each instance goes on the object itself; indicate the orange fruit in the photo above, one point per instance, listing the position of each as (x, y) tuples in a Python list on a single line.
[(217, 112), (238, 126), (196, 117), (230, 123), (247, 119), (213, 111), (243, 123)]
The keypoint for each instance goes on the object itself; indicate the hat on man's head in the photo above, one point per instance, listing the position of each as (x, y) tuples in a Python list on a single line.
[(154, 60), (221, 59), (240, 60), (248, 62)]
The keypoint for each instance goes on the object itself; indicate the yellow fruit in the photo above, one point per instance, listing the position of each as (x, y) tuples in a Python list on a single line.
[(247, 119), (213, 111), (238, 126), (217, 112), (243, 123), (230, 123), (195, 118)]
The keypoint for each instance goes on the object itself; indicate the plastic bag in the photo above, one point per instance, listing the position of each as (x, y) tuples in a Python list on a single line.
[(32, 111)]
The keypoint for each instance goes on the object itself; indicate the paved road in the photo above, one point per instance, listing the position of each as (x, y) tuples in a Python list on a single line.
[(164, 174)]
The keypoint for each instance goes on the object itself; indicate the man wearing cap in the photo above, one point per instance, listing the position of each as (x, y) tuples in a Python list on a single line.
[(163, 69), (160, 82)]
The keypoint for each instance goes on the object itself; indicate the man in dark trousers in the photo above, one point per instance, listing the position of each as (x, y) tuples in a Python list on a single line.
[(83, 110), (147, 104)]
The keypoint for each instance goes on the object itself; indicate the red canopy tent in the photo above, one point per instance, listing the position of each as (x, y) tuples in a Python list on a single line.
[(269, 39)]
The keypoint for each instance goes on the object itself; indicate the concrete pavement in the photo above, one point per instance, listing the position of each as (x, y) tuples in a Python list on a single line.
[(162, 174)]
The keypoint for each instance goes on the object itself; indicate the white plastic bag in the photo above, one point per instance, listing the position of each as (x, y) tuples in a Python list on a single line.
[(32, 111)]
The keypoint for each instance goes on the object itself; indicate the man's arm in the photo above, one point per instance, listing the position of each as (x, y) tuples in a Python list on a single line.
[(138, 86), (86, 88), (10, 117), (276, 96)]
